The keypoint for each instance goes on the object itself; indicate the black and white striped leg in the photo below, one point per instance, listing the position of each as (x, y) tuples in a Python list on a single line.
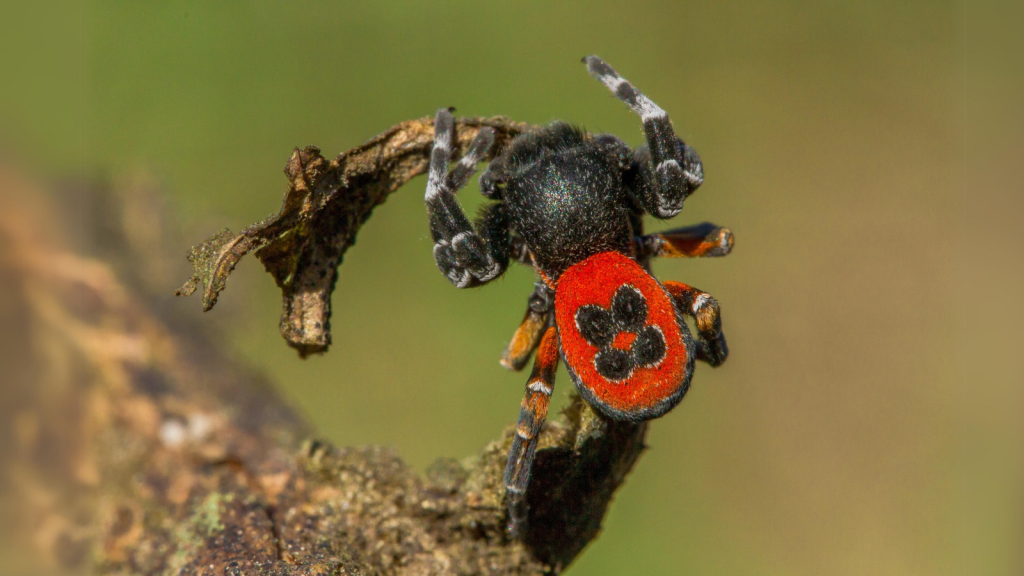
[(669, 169), (532, 414), (466, 256), (706, 314)]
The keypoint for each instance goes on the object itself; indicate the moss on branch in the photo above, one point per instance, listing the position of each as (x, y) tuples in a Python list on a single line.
[(138, 447)]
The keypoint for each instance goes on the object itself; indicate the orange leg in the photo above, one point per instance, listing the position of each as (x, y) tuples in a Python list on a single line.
[(704, 310), (527, 336), (531, 417), (701, 241)]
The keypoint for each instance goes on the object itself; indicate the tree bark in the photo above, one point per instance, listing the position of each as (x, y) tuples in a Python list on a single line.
[(132, 444)]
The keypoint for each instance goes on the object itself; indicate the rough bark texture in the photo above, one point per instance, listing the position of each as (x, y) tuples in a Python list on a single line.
[(131, 444), (325, 205)]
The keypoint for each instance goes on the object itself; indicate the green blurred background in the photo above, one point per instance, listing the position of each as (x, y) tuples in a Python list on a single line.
[(832, 440)]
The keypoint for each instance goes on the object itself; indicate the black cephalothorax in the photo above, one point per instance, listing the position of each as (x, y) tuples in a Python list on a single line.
[(571, 205)]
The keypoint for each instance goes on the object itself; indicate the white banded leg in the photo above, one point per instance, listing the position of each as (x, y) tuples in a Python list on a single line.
[(532, 413), (464, 256), (671, 169)]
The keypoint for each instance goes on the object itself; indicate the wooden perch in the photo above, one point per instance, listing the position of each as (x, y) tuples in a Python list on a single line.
[(325, 206), (131, 444)]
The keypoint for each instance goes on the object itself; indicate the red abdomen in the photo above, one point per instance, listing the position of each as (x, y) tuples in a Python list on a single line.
[(625, 345)]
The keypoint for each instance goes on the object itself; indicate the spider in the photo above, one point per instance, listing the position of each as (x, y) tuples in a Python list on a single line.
[(570, 204)]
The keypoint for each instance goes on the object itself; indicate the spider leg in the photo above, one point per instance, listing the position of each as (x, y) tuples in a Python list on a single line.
[(466, 256), (527, 336), (531, 417), (704, 310), (700, 241), (492, 180), (520, 251), (669, 169)]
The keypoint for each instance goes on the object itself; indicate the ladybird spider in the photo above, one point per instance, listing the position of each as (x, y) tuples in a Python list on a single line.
[(570, 204)]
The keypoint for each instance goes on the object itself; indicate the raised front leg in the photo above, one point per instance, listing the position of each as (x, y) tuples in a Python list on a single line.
[(701, 241), (466, 256), (704, 310), (531, 417), (669, 170)]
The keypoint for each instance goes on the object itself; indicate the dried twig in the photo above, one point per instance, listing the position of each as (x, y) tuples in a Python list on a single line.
[(323, 209), (139, 448)]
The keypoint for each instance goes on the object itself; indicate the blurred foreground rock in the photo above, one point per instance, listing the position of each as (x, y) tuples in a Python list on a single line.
[(130, 444)]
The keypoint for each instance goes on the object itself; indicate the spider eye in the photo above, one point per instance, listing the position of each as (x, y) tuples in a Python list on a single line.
[(596, 325), (613, 364), (649, 347), (629, 308)]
